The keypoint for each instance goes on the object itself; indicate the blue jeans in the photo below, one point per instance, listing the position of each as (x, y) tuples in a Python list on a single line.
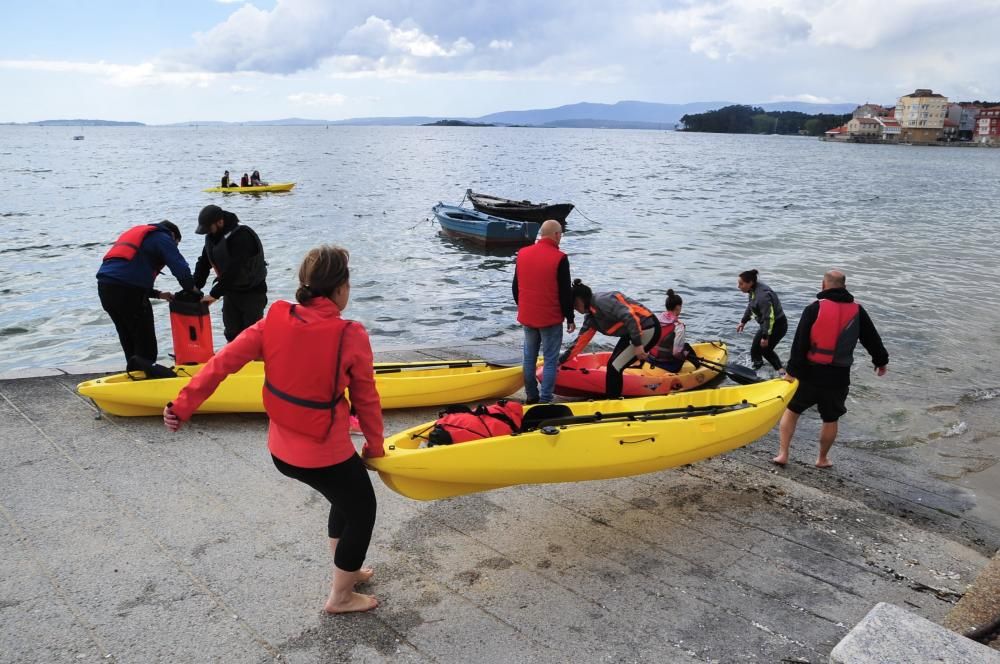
[(550, 340)]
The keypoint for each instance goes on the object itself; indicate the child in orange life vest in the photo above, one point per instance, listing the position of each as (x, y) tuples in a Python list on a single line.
[(311, 356), (671, 351)]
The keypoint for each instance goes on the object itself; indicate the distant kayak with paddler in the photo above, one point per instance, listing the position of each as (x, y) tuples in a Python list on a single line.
[(262, 189)]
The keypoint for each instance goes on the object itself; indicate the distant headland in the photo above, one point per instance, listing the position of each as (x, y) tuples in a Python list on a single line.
[(585, 115)]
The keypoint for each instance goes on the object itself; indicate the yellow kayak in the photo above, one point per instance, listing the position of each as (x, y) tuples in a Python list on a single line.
[(586, 375), (262, 189), (589, 440), (400, 385)]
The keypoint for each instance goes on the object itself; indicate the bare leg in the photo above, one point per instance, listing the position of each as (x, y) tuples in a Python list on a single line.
[(827, 435), (364, 573), (343, 599), (785, 432)]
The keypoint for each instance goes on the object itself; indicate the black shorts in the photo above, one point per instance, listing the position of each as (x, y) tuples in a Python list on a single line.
[(830, 401)]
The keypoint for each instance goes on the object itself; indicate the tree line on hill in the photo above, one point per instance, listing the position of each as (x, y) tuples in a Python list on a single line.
[(741, 119)]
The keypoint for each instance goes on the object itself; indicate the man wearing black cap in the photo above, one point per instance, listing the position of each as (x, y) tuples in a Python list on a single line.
[(235, 253), (125, 284)]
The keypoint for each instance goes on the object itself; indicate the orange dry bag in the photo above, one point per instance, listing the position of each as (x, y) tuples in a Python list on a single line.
[(191, 326)]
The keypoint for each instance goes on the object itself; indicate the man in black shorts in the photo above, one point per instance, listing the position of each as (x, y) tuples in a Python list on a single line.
[(822, 352)]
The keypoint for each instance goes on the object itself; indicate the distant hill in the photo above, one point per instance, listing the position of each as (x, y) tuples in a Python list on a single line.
[(85, 123), (620, 115), (456, 123)]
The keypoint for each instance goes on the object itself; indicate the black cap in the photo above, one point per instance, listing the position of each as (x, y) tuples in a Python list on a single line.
[(171, 227), (208, 216)]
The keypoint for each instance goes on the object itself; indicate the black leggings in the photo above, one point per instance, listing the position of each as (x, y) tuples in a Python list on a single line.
[(132, 314), (758, 354), (352, 505), (622, 356)]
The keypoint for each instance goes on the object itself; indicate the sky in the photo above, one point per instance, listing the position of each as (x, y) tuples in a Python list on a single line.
[(161, 62)]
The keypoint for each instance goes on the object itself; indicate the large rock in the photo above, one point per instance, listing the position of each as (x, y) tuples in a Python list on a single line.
[(890, 634)]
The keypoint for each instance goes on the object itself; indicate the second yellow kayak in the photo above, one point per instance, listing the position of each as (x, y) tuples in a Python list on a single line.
[(588, 440), (400, 385)]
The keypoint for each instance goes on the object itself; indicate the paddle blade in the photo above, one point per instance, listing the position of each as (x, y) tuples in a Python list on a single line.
[(742, 375)]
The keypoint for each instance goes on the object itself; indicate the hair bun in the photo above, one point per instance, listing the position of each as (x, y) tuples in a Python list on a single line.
[(577, 281), (670, 291)]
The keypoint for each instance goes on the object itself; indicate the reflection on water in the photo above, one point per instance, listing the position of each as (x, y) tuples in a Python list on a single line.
[(912, 227)]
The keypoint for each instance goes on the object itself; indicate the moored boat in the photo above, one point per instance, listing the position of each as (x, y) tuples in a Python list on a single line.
[(506, 208), (587, 440), (483, 229), (586, 374), (400, 385), (262, 189)]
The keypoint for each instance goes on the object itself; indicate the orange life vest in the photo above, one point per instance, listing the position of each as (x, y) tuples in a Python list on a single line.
[(127, 244), (302, 369), (834, 335), (460, 424)]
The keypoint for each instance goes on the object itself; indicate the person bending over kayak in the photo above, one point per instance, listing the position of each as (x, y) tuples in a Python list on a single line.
[(615, 315), (311, 355), (125, 284), (766, 310), (234, 252), (672, 350)]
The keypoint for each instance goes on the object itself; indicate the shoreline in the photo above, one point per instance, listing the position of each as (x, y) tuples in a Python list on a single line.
[(116, 528)]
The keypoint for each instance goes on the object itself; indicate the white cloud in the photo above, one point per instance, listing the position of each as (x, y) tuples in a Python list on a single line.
[(501, 44), (317, 99), (126, 76), (745, 28), (804, 97), (378, 35)]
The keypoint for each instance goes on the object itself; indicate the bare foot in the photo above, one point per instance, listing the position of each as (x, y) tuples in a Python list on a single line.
[(356, 602), (779, 460), (823, 463), (364, 574)]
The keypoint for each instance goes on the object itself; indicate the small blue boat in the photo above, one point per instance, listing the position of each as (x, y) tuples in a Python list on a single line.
[(483, 229)]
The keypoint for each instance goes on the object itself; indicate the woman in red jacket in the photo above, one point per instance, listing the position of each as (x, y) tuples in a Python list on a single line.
[(311, 355)]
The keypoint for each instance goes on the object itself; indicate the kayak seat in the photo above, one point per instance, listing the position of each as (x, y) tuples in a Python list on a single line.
[(545, 411)]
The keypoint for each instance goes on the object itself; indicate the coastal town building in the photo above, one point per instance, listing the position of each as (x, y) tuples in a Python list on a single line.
[(964, 115), (840, 133), (921, 115), (868, 110), (988, 126), (890, 128), (864, 128)]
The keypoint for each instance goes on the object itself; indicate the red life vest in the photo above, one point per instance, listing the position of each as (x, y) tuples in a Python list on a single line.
[(127, 244), (460, 424), (302, 382), (665, 348), (834, 335), (537, 286)]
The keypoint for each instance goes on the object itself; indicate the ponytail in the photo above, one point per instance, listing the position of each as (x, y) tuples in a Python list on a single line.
[(323, 270), (582, 291), (749, 277), (673, 300)]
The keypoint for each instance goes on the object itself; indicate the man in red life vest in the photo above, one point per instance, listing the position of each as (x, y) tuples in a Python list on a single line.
[(544, 296), (822, 352)]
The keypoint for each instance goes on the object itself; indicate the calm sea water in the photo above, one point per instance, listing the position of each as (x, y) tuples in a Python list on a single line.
[(914, 229)]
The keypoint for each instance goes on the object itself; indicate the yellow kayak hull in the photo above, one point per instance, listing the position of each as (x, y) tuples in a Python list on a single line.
[(263, 189), (400, 385), (587, 451)]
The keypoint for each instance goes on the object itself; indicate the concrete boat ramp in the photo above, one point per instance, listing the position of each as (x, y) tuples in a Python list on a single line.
[(123, 542)]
